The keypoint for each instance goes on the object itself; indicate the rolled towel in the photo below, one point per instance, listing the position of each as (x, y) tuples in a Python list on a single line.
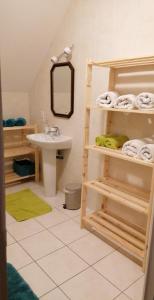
[(132, 147), (125, 101), (147, 152), (10, 122), (4, 123), (115, 142), (100, 140), (111, 141), (145, 101), (107, 99), (20, 122)]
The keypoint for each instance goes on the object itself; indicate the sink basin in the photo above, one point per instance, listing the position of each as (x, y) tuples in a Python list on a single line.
[(48, 142), (49, 146)]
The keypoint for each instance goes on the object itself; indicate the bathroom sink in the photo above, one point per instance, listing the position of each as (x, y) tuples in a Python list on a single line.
[(48, 142), (49, 146)]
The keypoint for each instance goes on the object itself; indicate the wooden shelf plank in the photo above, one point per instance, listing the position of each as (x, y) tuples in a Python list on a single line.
[(120, 110), (127, 188), (118, 196), (116, 237), (18, 151), (123, 63), (13, 177), (131, 229), (110, 187), (115, 228), (26, 127), (118, 154)]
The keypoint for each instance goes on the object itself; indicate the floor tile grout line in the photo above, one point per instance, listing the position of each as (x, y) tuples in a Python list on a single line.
[(56, 287), (64, 293), (19, 269), (133, 283), (26, 236), (122, 291), (44, 230), (36, 262), (120, 295), (102, 258), (128, 296), (55, 224), (106, 279), (88, 267), (46, 293), (67, 246), (37, 259), (7, 239), (85, 260)]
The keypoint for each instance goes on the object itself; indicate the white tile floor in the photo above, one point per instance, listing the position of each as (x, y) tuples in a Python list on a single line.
[(60, 261)]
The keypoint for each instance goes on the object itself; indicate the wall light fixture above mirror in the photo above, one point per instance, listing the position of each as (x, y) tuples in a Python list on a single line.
[(62, 89)]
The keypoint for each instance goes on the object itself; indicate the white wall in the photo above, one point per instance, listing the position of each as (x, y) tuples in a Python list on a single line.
[(15, 105), (26, 33), (99, 30)]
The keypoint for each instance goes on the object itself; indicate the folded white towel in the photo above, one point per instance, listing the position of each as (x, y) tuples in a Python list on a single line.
[(107, 99), (132, 147), (125, 101), (145, 101), (147, 152)]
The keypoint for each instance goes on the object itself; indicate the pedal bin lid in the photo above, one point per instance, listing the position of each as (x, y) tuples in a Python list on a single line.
[(73, 187)]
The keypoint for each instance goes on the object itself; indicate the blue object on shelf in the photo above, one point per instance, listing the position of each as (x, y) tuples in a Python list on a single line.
[(20, 122), (24, 167), (10, 122), (4, 123)]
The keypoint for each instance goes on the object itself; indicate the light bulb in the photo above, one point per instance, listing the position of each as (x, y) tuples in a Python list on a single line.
[(54, 59), (67, 51)]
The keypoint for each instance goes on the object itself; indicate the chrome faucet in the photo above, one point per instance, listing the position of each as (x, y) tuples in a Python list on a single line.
[(53, 131)]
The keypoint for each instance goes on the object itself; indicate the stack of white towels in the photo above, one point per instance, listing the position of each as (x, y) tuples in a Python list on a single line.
[(112, 99), (140, 148)]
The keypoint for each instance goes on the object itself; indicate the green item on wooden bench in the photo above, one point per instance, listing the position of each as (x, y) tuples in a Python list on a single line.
[(111, 141)]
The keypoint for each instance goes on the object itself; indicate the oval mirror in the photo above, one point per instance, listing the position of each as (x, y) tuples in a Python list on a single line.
[(62, 89)]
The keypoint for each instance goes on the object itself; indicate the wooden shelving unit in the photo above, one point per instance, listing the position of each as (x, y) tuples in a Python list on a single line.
[(17, 145), (127, 236)]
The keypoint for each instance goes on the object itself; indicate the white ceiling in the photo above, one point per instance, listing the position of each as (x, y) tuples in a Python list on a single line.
[(27, 29)]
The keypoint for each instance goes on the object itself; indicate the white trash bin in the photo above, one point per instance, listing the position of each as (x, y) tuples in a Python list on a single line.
[(72, 196)]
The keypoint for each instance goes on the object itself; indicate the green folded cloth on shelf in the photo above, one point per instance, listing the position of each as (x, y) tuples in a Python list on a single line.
[(100, 140), (20, 122), (10, 122), (111, 141)]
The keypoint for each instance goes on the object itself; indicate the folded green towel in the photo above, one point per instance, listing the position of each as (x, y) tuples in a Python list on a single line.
[(100, 140), (20, 122), (10, 122), (111, 141)]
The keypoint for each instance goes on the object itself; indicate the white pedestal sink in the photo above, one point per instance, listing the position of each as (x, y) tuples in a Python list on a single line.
[(49, 145)]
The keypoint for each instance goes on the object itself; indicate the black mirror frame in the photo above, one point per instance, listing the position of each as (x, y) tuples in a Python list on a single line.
[(52, 89)]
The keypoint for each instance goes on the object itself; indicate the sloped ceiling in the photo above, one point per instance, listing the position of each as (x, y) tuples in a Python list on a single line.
[(27, 29)]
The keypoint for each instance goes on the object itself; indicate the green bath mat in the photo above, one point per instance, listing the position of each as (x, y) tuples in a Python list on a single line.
[(25, 205), (18, 289)]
